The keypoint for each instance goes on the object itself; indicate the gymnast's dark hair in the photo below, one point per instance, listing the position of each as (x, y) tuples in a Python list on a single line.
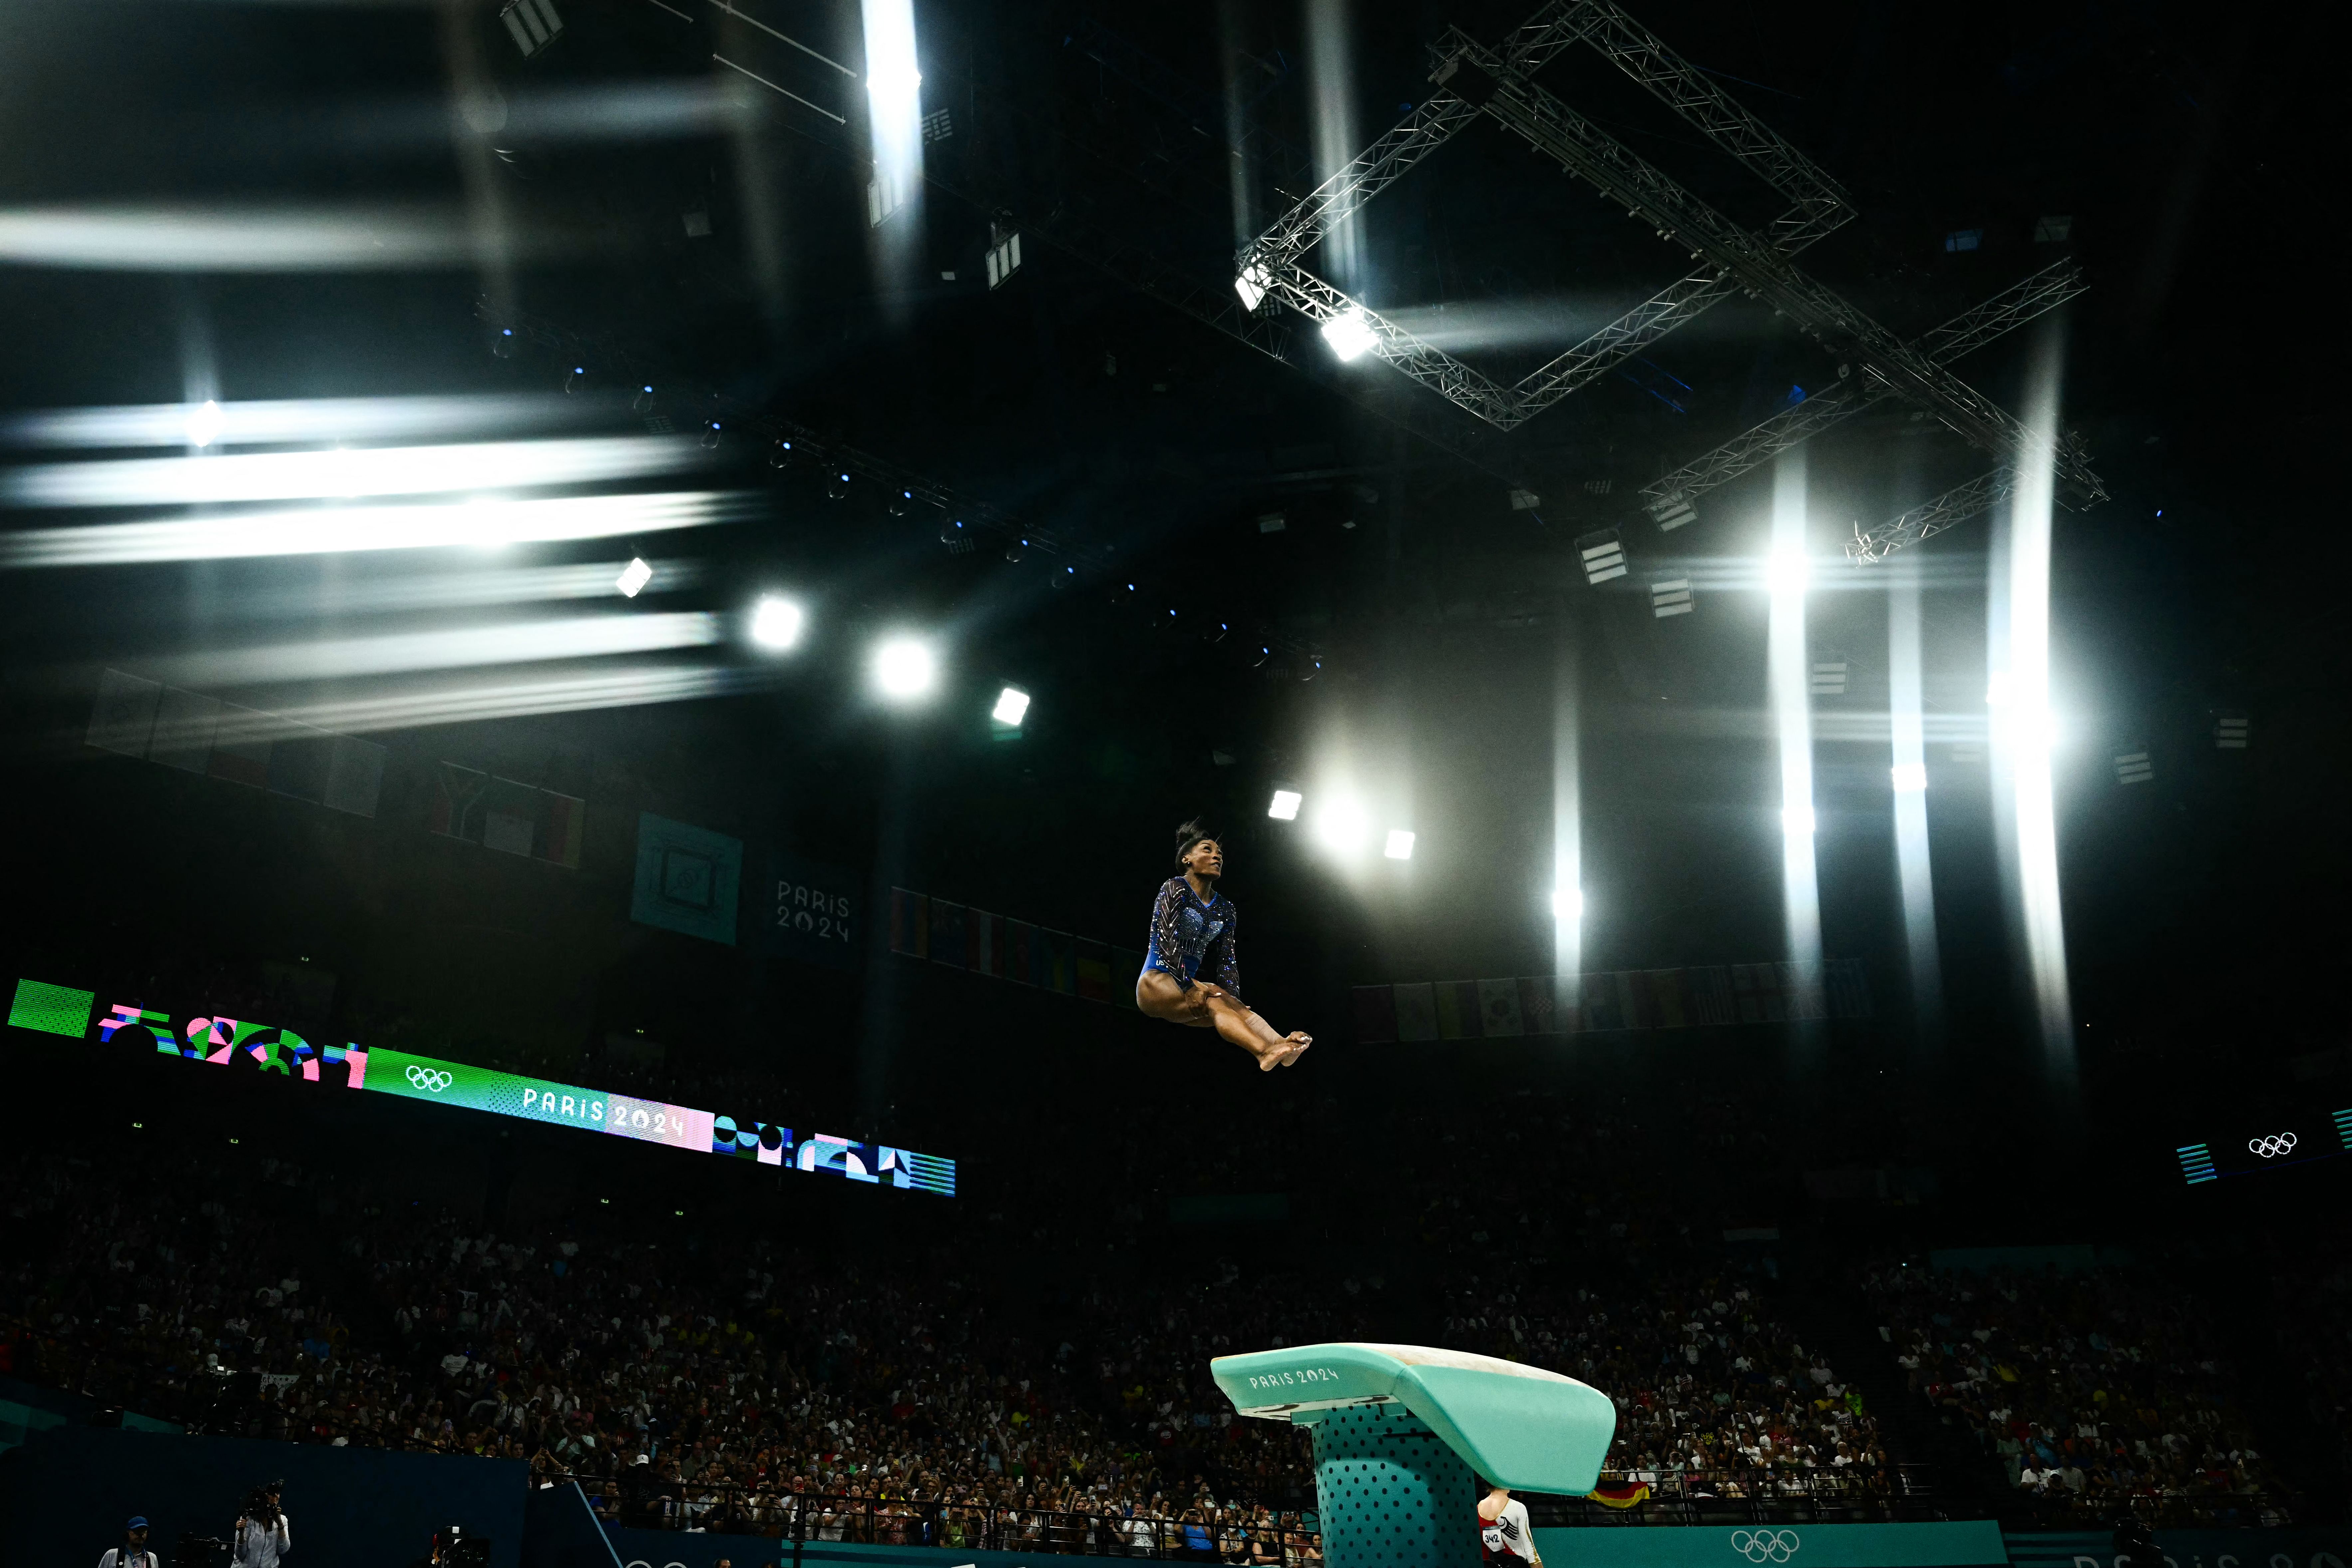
[(1191, 833)]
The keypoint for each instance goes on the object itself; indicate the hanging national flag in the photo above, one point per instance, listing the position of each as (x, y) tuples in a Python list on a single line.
[(1416, 1011), (947, 934), (1605, 1003), (1709, 989), (1668, 1008), (1021, 952), (984, 943), (1499, 1008), (1536, 1005), (910, 923), (1756, 991), (457, 808), (1059, 971), (241, 746), (1094, 970)]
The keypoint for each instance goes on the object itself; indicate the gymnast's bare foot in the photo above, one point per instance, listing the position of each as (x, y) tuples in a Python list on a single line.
[(1295, 1048)]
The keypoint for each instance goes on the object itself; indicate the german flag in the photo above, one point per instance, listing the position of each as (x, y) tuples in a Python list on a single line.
[(1620, 1497)]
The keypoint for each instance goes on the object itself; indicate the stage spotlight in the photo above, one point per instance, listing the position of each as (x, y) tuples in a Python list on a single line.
[(2133, 764), (710, 434), (1670, 596), (1015, 550), (634, 577), (1012, 706), (1797, 821), (1399, 846), (1285, 805), (1910, 778), (1568, 904), (1340, 824), (1603, 554), (780, 456), (1785, 571), (1673, 511), (643, 402), (776, 623), (1252, 283), (837, 487), (899, 503), (205, 424), (1349, 335), (904, 668)]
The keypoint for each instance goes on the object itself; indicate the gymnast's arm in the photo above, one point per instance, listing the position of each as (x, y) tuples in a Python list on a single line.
[(1166, 936)]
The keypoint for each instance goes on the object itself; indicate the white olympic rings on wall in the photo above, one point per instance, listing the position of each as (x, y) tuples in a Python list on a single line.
[(1765, 1545), (2271, 1145), (432, 1079)]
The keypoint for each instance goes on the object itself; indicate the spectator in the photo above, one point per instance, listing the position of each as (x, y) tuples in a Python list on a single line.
[(132, 1553)]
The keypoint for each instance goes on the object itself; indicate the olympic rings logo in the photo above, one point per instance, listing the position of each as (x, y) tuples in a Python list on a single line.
[(431, 1079), (1765, 1545), (2271, 1145)]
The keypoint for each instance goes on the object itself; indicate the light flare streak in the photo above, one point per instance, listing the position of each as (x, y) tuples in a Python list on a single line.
[(1787, 572)]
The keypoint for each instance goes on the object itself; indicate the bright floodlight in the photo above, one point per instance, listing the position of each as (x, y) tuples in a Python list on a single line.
[(204, 423), (1784, 572), (1797, 821), (1012, 706), (1568, 904), (1910, 778), (1400, 845), (776, 623), (1285, 805), (1349, 335), (634, 577), (1252, 284), (1339, 823), (904, 668)]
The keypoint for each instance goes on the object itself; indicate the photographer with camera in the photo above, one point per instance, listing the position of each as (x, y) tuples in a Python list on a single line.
[(132, 1553), (262, 1536)]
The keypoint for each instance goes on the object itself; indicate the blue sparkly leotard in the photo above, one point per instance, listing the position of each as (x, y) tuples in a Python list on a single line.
[(1188, 935)]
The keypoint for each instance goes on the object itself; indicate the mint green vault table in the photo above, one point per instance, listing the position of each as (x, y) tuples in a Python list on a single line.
[(1402, 1431)]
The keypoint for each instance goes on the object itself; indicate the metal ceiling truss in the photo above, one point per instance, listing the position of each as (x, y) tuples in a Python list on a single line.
[(1885, 361), (1472, 78), (1676, 493), (1270, 268), (1955, 506)]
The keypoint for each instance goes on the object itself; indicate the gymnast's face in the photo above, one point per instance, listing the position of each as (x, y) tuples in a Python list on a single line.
[(1206, 861)]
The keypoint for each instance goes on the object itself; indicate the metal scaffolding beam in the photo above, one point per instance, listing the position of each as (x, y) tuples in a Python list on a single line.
[(1681, 86), (1888, 361), (1954, 506), (1271, 265), (1964, 333)]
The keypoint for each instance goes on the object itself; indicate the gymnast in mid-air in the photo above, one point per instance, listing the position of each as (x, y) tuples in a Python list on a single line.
[(1191, 974)]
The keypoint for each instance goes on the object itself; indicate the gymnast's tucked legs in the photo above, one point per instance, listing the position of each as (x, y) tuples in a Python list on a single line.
[(1204, 1006)]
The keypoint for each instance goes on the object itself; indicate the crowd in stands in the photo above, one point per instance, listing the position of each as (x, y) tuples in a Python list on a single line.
[(2311, 1308), (694, 1387), (2090, 1388), (673, 1387), (1715, 1397)]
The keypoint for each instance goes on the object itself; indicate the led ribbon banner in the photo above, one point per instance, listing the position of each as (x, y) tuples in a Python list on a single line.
[(225, 1042)]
